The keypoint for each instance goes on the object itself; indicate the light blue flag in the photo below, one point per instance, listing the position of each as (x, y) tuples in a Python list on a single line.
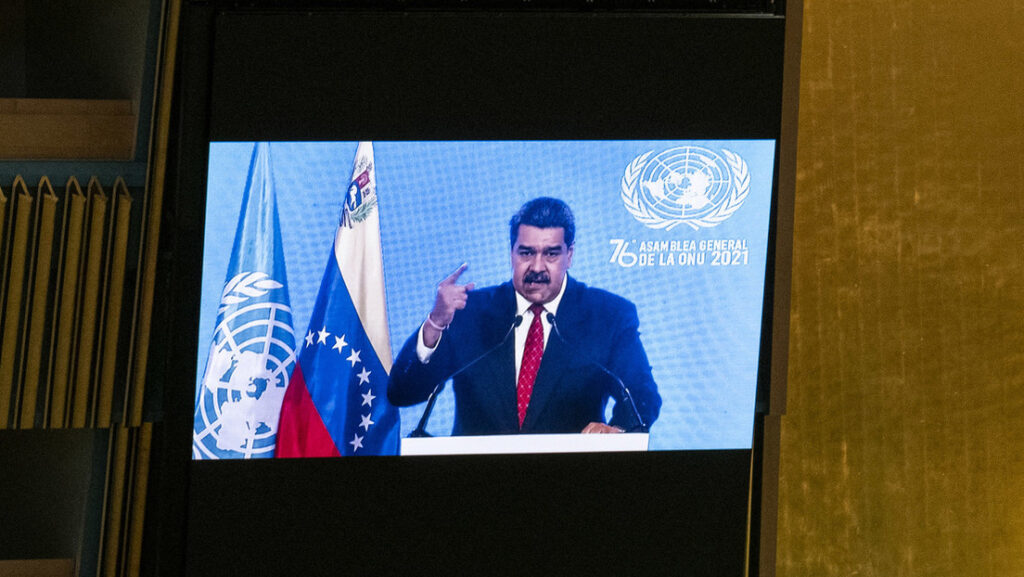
[(252, 352)]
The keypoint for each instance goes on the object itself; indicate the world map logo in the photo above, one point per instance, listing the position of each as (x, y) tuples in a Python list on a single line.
[(251, 357), (689, 185)]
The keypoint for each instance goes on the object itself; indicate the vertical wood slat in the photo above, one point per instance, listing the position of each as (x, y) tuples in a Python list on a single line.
[(125, 492), (3, 250), (36, 322), (137, 514), (23, 318), (3, 228), (63, 329), (117, 470), (18, 248), (96, 390), (4, 254), (92, 272), (117, 256), (152, 208)]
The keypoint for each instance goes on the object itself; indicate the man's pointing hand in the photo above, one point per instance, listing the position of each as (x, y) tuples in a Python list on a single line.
[(450, 297)]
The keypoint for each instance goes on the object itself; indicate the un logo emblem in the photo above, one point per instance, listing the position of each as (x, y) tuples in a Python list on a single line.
[(687, 185), (251, 358)]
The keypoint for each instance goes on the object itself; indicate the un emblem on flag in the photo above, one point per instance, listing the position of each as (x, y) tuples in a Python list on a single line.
[(251, 358), (688, 185)]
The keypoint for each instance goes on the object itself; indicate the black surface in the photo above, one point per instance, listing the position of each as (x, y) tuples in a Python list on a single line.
[(602, 514), (423, 76), (47, 480)]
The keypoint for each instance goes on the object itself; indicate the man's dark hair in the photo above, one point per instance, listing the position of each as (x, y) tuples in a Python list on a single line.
[(544, 212)]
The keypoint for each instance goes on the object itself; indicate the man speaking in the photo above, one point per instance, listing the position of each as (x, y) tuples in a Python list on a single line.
[(540, 354)]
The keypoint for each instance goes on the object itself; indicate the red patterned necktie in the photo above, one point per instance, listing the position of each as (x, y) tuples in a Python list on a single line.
[(532, 353)]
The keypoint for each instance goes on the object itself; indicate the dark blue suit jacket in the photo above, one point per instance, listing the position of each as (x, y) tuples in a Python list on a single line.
[(595, 329)]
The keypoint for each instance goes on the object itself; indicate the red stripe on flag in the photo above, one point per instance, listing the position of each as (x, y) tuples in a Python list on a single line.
[(301, 432)]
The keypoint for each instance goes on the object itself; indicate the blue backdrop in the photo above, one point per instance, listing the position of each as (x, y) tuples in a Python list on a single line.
[(699, 292)]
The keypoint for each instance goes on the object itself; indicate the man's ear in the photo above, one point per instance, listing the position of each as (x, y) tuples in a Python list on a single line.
[(570, 254)]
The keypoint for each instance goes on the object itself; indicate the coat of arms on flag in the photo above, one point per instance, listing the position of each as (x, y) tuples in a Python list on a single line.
[(336, 403), (252, 350)]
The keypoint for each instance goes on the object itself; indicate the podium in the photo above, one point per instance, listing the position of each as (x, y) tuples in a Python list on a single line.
[(510, 444)]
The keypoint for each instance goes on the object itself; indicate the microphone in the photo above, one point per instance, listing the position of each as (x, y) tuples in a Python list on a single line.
[(643, 427), (421, 427)]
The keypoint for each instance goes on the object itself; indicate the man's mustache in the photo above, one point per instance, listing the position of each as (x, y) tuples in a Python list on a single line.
[(536, 277)]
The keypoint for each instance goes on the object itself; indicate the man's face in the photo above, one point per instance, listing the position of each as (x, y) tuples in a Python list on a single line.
[(539, 261)]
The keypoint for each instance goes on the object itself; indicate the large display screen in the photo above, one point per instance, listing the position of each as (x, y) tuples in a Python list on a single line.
[(659, 128), (678, 228)]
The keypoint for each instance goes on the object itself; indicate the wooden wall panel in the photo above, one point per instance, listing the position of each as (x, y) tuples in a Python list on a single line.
[(87, 129), (902, 447)]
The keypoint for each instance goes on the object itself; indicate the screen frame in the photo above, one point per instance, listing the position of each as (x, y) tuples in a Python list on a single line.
[(204, 114)]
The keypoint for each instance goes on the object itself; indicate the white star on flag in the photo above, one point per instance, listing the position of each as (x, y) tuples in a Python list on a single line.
[(309, 339), (364, 376), (356, 442), (365, 422), (339, 343), (323, 336), (368, 398), (354, 357)]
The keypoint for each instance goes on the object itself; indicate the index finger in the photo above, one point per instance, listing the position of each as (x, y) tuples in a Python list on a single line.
[(450, 279)]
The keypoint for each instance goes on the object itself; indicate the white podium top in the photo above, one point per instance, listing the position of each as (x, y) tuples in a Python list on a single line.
[(496, 444)]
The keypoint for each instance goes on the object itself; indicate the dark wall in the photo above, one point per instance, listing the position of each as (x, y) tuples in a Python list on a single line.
[(47, 481), (12, 49), (93, 49)]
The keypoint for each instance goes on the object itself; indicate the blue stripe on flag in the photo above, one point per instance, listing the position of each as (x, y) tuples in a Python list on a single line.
[(344, 376)]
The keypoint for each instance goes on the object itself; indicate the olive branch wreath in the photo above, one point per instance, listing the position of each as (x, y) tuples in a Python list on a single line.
[(631, 195), (363, 211), (244, 286)]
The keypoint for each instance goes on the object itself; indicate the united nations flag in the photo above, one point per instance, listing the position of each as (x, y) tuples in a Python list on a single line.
[(252, 352)]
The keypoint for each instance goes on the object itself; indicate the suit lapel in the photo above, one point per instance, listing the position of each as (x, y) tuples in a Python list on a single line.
[(499, 368)]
